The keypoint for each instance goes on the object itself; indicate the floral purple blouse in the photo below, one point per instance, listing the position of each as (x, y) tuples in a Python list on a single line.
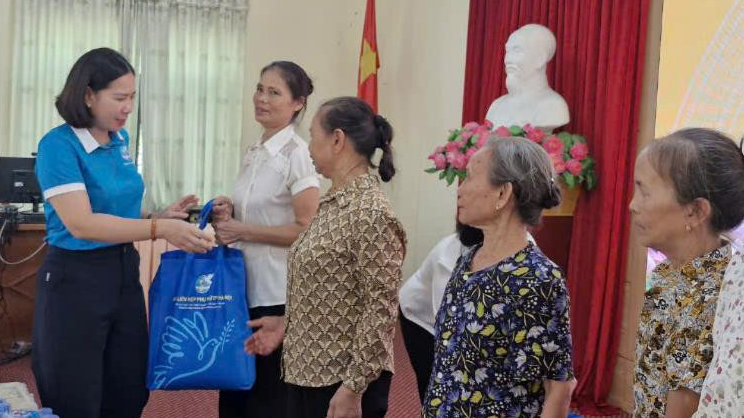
[(499, 332)]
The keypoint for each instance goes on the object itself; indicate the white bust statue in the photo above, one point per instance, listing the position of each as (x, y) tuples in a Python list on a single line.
[(530, 98)]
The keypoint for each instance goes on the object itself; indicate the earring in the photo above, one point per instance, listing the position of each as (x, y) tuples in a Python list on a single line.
[(688, 228)]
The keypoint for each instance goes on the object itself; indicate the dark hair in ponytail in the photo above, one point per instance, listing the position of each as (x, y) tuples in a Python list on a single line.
[(367, 130)]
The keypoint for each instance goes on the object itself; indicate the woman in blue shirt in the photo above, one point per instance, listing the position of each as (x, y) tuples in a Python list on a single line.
[(90, 328)]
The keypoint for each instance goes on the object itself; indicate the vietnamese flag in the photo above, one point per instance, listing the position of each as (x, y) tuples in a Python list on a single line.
[(369, 62)]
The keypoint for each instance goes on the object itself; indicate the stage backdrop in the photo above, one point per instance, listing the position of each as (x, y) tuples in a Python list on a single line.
[(598, 69), (702, 53)]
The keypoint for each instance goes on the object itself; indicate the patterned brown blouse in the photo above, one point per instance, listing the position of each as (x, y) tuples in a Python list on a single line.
[(342, 290), (675, 341)]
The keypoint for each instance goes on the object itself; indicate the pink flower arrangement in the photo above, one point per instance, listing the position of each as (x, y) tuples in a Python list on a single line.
[(451, 158), (569, 152)]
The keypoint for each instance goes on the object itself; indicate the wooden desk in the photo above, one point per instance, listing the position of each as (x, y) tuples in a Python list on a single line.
[(18, 283)]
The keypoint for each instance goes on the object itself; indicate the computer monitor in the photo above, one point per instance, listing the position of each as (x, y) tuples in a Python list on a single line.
[(18, 182)]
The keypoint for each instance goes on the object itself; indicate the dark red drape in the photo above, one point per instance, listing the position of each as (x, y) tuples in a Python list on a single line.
[(598, 70)]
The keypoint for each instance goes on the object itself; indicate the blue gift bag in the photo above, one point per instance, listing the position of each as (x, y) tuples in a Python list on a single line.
[(198, 316)]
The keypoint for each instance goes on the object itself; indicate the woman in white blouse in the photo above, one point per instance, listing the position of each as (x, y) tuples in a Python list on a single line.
[(421, 295), (274, 198)]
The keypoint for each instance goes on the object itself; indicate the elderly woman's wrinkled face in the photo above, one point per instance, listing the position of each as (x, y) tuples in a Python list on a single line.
[(658, 218), (476, 196)]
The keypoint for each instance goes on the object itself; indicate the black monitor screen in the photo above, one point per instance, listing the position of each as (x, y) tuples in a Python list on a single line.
[(18, 182)]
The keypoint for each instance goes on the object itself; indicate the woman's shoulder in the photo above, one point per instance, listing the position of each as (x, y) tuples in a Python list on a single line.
[(56, 137), (371, 206), (295, 142), (733, 281), (543, 268)]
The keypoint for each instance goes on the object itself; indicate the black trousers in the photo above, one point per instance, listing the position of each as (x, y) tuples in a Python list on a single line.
[(420, 347), (305, 402), (90, 333), (268, 396)]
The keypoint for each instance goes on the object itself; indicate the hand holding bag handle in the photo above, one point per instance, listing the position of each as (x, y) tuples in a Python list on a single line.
[(220, 251)]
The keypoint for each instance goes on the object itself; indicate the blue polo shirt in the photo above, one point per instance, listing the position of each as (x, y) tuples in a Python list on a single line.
[(70, 159)]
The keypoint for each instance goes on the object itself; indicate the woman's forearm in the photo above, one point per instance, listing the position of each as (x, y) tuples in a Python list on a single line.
[(280, 236)]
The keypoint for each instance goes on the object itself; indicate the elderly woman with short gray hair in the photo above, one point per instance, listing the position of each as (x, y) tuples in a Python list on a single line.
[(502, 335)]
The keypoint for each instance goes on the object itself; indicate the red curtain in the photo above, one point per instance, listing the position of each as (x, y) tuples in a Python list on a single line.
[(598, 69)]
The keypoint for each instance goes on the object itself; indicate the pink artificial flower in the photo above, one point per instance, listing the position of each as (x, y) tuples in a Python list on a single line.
[(579, 150), (488, 124), (553, 145), (528, 128), (466, 134), (453, 146), (439, 149), (461, 162), (457, 160), (440, 161), (503, 131), (574, 167), (469, 153), (482, 138), (536, 135), (470, 126), (558, 163), (451, 156), (482, 130)]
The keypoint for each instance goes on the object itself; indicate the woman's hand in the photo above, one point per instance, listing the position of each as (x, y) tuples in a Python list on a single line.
[(345, 404), (222, 209), (230, 231), (267, 338), (179, 209), (184, 235)]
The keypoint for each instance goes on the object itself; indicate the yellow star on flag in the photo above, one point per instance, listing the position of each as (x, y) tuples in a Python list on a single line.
[(367, 62)]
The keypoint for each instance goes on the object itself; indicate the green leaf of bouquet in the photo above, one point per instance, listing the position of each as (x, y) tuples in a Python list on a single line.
[(516, 130), (565, 137), (450, 176), (473, 139), (591, 180), (570, 180), (442, 175), (579, 138), (453, 135), (432, 170)]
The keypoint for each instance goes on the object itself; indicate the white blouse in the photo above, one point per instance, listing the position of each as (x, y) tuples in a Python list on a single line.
[(421, 295), (723, 390), (271, 174)]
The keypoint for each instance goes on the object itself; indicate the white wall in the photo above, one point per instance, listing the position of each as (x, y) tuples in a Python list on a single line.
[(6, 61), (422, 55)]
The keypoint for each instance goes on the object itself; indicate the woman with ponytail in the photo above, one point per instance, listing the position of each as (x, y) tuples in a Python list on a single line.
[(344, 274)]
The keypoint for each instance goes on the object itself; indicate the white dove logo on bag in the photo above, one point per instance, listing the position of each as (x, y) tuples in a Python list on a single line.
[(187, 340)]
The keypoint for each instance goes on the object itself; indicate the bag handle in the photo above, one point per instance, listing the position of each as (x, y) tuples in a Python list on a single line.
[(204, 220), (220, 251), (204, 214)]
